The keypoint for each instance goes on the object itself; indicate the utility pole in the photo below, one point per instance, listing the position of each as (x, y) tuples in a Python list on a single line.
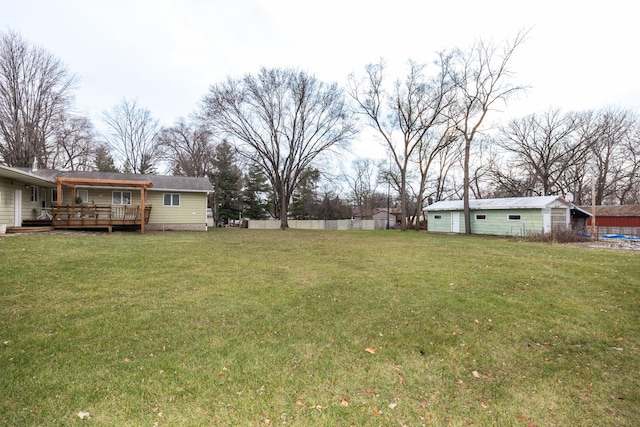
[(593, 205)]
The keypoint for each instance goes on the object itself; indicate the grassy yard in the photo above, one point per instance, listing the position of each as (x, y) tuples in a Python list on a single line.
[(266, 328)]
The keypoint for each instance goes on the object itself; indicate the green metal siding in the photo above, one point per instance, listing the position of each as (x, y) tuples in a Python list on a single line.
[(497, 222), (442, 225)]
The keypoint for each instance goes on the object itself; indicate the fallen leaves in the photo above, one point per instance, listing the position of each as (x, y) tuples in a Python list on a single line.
[(370, 350), (475, 374), (83, 415)]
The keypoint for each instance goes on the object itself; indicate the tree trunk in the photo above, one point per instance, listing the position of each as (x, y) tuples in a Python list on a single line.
[(284, 208), (403, 203), (467, 213)]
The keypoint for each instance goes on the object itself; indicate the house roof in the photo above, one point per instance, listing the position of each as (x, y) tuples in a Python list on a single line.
[(24, 175), (503, 203), (160, 182), (622, 210)]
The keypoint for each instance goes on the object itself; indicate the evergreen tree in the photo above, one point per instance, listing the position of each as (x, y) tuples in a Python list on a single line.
[(305, 196), (227, 184), (104, 160), (255, 194)]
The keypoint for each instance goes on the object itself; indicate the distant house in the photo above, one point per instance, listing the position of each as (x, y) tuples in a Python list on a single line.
[(66, 199), (513, 216), (392, 215), (624, 219), (386, 215)]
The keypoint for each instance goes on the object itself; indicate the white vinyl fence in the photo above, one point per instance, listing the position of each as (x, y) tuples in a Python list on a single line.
[(340, 224)]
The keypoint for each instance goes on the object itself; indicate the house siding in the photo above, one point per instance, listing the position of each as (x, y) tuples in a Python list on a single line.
[(441, 225), (190, 215), (497, 222), (6, 202)]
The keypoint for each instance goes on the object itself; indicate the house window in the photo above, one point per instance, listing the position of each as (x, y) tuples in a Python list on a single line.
[(121, 198), (437, 217), (34, 193), (171, 199), (84, 195), (481, 217), (54, 195), (514, 217)]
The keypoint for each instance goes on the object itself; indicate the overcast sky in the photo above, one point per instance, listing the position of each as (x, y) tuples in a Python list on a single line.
[(165, 54)]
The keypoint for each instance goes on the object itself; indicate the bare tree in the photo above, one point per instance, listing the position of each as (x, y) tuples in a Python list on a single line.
[(75, 144), (628, 191), (481, 77), (445, 163), (429, 149), (413, 108), (35, 90), (188, 148), (132, 137), (363, 184), (608, 142), (283, 121), (544, 146)]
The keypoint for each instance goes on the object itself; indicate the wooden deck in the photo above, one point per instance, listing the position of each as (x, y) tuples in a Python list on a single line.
[(98, 216)]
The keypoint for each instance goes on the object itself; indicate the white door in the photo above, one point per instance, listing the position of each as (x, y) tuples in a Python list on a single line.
[(546, 221), (17, 208), (455, 222)]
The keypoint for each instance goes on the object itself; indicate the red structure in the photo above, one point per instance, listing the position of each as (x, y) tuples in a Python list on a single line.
[(616, 219)]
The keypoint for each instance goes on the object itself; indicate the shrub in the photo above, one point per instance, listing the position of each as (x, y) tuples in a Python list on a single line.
[(565, 235)]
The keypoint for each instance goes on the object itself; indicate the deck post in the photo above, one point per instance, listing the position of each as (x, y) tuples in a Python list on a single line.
[(143, 191)]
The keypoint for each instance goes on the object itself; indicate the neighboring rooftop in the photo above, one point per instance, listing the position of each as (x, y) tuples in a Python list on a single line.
[(619, 210)]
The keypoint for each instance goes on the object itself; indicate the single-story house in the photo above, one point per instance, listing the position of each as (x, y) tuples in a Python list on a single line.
[(512, 216), (74, 199), (622, 219)]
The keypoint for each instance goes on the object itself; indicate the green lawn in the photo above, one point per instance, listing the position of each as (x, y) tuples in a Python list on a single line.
[(255, 328)]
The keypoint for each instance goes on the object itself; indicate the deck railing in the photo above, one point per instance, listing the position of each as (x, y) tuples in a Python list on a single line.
[(98, 215)]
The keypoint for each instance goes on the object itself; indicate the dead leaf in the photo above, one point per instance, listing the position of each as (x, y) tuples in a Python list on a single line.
[(370, 350), (475, 374), (299, 403), (344, 402), (83, 415), (376, 412), (392, 405)]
